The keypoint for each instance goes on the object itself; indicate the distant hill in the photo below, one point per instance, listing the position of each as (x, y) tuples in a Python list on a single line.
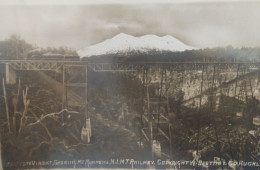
[(123, 44), (220, 54), (127, 48)]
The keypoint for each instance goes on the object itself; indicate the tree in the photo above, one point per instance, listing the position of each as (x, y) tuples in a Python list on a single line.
[(16, 48)]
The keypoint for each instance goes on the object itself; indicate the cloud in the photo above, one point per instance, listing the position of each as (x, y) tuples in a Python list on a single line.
[(197, 24)]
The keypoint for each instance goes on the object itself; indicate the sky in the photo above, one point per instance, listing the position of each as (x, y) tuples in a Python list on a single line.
[(78, 24)]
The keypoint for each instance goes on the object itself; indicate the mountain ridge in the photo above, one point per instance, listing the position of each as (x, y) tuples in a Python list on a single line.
[(124, 43)]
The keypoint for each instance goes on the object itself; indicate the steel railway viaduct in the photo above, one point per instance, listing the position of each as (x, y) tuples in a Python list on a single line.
[(149, 118)]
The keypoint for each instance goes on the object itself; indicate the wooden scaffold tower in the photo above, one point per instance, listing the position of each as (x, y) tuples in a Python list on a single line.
[(156, 128), (69, 81)]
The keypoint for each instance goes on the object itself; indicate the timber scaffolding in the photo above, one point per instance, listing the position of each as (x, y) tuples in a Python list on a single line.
[(155, 118), (154, 124)]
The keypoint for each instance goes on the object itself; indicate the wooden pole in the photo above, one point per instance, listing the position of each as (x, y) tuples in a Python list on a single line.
[(63, 90), (143, 109), (170, 137), (151, 136), (86, 93), (227, 121), (63, 87), (201, 89), (235, 93), (251, 88), (15, 102), (6, 107), (66, 90)]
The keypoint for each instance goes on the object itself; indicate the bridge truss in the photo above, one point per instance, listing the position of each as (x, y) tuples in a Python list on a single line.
[(152, 121), (121, 66)]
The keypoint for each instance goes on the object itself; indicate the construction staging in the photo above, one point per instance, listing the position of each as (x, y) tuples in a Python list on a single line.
[(205, 91)]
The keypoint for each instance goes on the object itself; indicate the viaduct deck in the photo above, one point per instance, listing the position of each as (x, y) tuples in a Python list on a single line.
[(122, 66)]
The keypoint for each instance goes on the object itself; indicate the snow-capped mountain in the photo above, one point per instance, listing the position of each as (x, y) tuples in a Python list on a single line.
[(123, 43)]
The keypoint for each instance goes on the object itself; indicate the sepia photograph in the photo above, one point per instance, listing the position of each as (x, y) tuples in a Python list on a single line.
[(129, 84)]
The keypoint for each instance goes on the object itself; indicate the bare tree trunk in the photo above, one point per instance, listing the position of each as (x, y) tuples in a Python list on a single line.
[(6, 107), (26, 104), (15, 102)]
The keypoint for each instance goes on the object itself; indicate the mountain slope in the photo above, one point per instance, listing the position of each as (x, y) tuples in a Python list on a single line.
[(123, 43)]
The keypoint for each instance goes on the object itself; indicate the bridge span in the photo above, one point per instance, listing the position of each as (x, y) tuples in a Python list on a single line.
[(147, 117), (122, 66)]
